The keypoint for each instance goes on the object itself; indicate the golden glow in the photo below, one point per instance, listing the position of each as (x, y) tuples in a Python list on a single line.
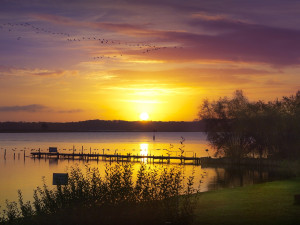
[(122, 94), (144, 116)]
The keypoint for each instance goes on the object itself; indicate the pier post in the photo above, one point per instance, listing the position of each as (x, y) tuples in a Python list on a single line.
[(73, 151)]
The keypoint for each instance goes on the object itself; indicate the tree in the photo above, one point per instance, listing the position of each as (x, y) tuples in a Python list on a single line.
[(237, 128), (223, 125)]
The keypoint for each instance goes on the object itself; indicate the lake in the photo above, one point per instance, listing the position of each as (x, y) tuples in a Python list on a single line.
[(25, 173)]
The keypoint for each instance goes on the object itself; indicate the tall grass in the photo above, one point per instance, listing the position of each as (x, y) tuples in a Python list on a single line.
[(156, 197)]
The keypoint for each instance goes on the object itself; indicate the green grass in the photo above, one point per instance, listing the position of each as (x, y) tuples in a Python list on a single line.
[(267, 203)]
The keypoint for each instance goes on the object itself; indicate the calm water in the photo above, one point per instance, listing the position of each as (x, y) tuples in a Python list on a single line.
[(17, 172)]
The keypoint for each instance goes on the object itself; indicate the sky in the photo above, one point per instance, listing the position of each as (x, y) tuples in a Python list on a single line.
[(64, 60)]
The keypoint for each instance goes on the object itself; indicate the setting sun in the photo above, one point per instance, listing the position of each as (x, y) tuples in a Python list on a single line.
[(144, 116)]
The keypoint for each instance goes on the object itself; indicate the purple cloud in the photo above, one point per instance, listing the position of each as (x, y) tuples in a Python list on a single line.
[(235, 41)]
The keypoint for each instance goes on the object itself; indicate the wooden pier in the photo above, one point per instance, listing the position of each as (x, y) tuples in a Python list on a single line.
[(119, 157)]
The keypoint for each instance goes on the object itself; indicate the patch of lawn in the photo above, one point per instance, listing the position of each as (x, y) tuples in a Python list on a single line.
[(267, 203)]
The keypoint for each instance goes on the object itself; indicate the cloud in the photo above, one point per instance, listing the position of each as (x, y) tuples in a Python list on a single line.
[(70, 111), (6, 70), (204, 36), (191, 76), (143, 101), (24, 108), (122, 28), (274, 82), (206, 31), (240, 43), (33, 108)]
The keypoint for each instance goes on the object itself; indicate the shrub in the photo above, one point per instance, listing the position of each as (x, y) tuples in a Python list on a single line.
[(154, 198)]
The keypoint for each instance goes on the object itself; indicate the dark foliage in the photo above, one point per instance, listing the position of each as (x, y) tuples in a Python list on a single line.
[(238, 128), (157, 197)]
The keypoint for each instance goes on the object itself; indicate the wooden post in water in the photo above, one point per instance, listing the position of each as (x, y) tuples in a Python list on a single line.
[(14, 155), (5, 154), (73, 151)]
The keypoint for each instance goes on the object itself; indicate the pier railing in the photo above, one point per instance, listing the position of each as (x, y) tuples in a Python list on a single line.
[(119, 157)]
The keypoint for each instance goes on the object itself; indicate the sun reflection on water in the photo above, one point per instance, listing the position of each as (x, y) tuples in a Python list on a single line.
[(144, 148), (144, 151)]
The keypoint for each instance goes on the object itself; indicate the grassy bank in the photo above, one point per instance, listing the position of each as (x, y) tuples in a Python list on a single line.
[(267, 203)]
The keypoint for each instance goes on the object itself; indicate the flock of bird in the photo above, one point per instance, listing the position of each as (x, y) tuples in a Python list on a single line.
[(10, 27), (120, 46)]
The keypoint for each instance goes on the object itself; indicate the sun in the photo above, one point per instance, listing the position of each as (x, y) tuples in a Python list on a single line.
[(144, 116)]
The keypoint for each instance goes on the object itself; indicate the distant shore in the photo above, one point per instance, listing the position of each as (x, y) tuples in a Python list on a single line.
[(89, 131), (102, 126)]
